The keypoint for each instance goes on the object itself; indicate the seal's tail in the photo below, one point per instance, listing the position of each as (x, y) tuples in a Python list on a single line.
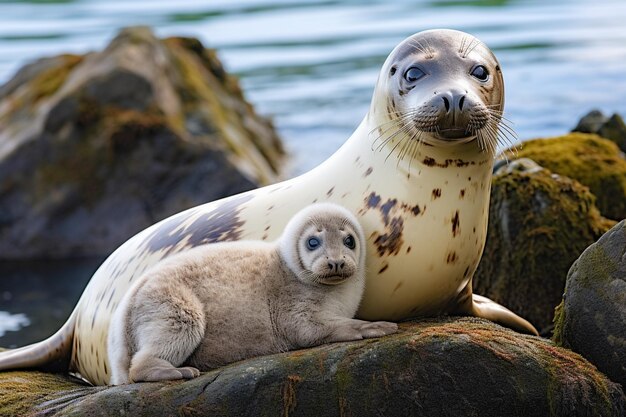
[(51, 354)]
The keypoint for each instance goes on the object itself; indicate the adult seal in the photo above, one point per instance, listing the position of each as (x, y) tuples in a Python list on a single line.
[(416, 173), (220, 303)]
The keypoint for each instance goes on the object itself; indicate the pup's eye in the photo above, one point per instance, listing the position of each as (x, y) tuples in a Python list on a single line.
[(413, 74), (349, 242), (480, 72), (313, 243)]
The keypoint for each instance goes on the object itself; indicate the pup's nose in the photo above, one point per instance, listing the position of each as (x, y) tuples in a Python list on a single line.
[(336, 266)]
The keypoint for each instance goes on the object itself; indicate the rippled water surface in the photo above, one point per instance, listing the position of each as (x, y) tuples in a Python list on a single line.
[(312, 65)]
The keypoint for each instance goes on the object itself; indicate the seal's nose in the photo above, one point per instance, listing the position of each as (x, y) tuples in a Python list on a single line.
[(453, 100), (336, 266)]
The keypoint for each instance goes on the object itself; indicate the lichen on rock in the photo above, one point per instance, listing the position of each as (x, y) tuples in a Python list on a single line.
[(443, 367), (591, 319), (589, 159), (117, 140), (539, 222)]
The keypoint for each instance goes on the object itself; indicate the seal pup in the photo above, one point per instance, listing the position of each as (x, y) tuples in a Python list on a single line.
[(223, 302), (416, 172)]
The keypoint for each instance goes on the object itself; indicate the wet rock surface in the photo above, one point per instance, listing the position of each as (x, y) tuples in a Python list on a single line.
[(95, 148), (539, 223), (591, 320), (445, 367)]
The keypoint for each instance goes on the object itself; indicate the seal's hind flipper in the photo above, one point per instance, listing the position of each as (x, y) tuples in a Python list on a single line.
[(485, 308)]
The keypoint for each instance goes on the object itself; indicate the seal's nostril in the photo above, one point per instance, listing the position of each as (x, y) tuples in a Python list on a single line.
[(446, 103), (461, 102)]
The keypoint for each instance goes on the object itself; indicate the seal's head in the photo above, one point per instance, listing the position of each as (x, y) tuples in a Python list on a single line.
[(324, 244), (441, 87)]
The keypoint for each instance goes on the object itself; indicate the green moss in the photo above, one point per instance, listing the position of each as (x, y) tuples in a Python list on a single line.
[(50, 80), (589, 159), (18, 396), (559, 324), (538, 225)]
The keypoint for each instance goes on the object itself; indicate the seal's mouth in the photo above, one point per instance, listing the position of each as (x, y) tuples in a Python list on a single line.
[(454, 133), (332, 279)]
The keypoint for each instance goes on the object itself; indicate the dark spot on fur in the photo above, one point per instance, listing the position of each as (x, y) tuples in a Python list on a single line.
[(383, 269), (221, 224), (264, 237), (393, 70), (372, 200), (393, 103), (408, 249), (498, 68), (389, 243), (462, 193), (110, 298), (386, 208), (358, 158), (400, 93), (469, 178), (451, 258), (368, 171), (436, 193), (266, 228), (106, 371), (270, 208), (456, 224), (416, 210), (93, 319), (397, 287), (315, 201), (429, 162), (330, 192), (459, 163)]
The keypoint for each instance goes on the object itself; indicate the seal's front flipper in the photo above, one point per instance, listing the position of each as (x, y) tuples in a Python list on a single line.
[(485, 308)]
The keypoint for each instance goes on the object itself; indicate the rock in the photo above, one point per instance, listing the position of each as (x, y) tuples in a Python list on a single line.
[(539, 223), (591, 320), (593, 161), (95, 148), (446, 367), (612, 128)]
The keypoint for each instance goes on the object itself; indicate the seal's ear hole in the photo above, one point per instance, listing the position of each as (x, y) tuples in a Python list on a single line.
[(393, 70)]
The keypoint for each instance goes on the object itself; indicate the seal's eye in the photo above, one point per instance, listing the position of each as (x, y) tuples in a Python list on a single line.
[(413, 74), (313, 243), (480, 72), (349, 242)]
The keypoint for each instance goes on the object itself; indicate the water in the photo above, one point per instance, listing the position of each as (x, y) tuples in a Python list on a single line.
[(311, 65)]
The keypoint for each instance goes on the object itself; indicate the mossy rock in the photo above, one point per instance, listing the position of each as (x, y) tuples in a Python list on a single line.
[(114, 141), (539, 223), (589, 159), (591, 320), (446, 367)]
